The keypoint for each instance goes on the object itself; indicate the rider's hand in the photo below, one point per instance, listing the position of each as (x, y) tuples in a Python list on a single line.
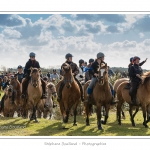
[(138, 75), (96, 74)]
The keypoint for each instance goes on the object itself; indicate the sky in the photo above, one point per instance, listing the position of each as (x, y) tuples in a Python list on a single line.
[(52, 36)]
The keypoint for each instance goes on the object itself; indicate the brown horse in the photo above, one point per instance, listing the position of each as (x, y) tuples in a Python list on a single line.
[(115, 86), (1, 84), (143, 100), (101, 96), (70, 94), (17, 93), (9, 108), (48, 102), (34, 92)]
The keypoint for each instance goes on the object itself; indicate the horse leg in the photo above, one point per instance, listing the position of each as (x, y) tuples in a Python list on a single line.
[(144, 116), (106, 115), (75, 114), (131, 117), (123, 115), (148, 113), (137, 109), (87, 113), (99, 117), (35, 108), (119, 113)]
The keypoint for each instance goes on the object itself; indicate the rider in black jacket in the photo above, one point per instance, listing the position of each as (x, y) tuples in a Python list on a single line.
[(31, 63), (135, 74)]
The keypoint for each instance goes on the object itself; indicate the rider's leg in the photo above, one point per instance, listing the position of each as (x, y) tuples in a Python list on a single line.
[(113, 94), (133, 91), (44, 89), (81, 90), (60, 90), (90, 88), (24, 86)]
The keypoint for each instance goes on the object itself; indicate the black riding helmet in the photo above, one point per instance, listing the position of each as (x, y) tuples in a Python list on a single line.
[(131, 59), (81, 61), (68, 55), (91, 60), (19, 67)]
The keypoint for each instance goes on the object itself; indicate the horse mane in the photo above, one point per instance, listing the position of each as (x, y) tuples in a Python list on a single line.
[(146, 77), (50, 84)]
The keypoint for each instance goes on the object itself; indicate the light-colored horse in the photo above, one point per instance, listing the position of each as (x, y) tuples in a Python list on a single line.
[(46, 105), (34, 92)]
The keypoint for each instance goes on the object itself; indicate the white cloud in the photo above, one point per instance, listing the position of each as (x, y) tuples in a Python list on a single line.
[(141, 35), (11, 33)]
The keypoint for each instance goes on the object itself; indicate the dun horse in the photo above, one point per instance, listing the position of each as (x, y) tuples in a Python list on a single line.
[(34, 92), (17, 93), (70, 94), (143, 99), (9, 108), (48, 102), (101, 96)]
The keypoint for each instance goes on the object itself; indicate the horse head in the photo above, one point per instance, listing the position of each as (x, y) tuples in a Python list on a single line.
[(51, 89), (102, 74), (35, 76), (67, 72)]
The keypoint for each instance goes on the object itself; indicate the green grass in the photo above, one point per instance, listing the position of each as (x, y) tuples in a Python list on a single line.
[(57, 128), (22, 127)]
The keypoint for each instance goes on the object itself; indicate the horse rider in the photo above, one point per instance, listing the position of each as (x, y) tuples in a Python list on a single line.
[(32, 62), (20, 73), (110, 72), (88, 76), (48, 75), (75, 71), (80, 76), (54, 75), (135, 74), (98, 62)]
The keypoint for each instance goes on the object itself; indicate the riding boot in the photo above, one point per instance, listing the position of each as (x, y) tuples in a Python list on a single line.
[(113, 101), (81, 90), (89, 92), (44, 89), (60, 91), (24, 87), (133, 99)]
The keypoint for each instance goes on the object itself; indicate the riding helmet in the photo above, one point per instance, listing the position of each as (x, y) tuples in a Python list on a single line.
[(32, 54), (91, 60), (131, 59), (100, 55), (19, 67), (68, 55), (136, 57), (81, 61)]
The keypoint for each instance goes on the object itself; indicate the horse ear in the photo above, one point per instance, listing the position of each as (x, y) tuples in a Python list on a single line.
[(39, 69), (31, 68)]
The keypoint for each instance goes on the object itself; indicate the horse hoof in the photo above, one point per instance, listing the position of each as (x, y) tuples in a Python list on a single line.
[(31, 119), (133, 124), (144, 124), (103, 122), (87, 124), (36, 121), (74, 124), (100, 128), (119, 123)]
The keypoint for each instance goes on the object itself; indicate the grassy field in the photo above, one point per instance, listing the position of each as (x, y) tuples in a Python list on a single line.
[(22, 127)]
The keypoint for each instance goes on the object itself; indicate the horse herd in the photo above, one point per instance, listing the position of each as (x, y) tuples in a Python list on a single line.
[(101, 97)]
